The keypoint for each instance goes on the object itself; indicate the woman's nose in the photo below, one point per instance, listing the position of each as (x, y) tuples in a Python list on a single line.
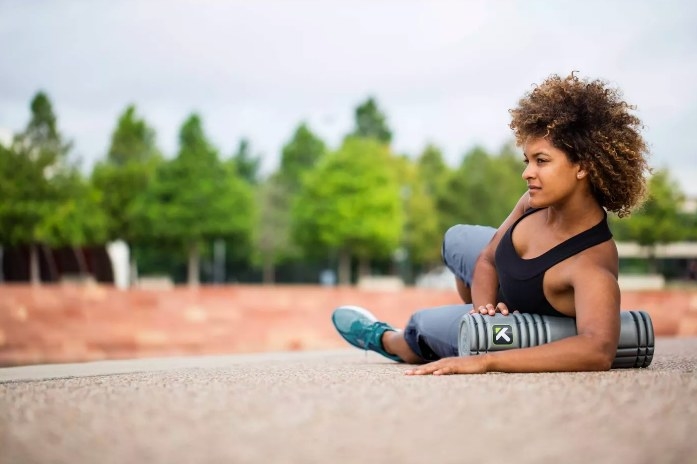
[(528, 171)]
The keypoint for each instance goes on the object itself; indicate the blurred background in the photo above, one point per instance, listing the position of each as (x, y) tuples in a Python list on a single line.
[(162, 163)]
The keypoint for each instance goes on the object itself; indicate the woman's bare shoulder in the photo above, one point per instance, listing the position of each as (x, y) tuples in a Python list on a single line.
[(602, 257)]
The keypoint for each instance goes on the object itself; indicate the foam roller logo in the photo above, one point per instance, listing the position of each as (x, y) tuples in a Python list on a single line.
[(503, 334)]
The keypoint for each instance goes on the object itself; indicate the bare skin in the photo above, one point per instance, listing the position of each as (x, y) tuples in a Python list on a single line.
[(394, 343), (463, 290), (583, 286)]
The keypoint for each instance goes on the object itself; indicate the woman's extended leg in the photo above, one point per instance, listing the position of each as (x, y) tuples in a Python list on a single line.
[(431, 334), (394, 343)]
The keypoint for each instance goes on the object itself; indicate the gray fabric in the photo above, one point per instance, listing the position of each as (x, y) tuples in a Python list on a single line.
[(462, 244), (434, 333)]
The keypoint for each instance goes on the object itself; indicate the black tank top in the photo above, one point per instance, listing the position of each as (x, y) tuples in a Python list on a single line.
[(520, 280)]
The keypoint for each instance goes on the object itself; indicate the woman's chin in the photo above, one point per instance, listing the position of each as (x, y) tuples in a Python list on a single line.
[(537, 203)]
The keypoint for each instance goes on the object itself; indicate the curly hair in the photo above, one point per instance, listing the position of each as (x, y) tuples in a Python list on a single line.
[(593, 125)]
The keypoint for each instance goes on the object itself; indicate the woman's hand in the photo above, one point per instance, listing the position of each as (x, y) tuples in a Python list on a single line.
[(456, 365), (491, 309)]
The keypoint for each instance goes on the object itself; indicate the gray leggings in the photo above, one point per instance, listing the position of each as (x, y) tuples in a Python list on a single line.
[(433, 333)]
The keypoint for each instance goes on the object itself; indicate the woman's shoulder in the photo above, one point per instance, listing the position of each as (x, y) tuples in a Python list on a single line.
[(598, 258)]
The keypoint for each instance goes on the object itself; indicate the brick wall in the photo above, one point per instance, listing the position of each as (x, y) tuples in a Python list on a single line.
[(70, 323)]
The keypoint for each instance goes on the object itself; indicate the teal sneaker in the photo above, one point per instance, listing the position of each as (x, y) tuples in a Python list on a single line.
[(361, 329)]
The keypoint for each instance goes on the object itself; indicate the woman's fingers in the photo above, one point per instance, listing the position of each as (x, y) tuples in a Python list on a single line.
[(491, 309), (454, 365)]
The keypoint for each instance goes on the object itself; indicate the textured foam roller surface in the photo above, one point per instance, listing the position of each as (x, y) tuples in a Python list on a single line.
[(483, 334)]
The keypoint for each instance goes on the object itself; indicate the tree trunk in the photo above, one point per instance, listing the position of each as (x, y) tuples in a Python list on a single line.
[(34, 272), (363, 267), (219, 262), (51, 263), (344, 267), (194, 259), (269, 271), (132, 270), (81, 262), (652, 261)]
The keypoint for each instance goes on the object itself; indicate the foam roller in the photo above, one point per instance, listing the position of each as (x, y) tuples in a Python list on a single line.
[(484, 333)]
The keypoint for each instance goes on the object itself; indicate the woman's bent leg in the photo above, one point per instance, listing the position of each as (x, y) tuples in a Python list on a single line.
[(461, 247)]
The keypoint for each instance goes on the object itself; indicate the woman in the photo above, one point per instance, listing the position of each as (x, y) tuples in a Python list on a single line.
[(553, 255)]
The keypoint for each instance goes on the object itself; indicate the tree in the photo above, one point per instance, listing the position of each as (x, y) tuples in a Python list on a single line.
[(246, 164), (273, 240), (132, 140), (302, 152), (272, 232), (29, 196), (350, 204), (435, 175), (484, 189), (77, 219), (658, 220), (421, 235), (371, 122), (129, 167), (195, 198)]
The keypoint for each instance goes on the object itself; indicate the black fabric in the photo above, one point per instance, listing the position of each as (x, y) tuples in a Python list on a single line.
[(520, 280)]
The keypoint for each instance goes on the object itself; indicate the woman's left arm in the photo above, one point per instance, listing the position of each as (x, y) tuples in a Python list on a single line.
[(597, 302)]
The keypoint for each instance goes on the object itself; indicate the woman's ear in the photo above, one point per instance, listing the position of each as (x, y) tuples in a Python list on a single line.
[(581, 173)]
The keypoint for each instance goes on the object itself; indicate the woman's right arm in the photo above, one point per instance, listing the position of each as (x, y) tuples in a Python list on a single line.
[(485, 281)]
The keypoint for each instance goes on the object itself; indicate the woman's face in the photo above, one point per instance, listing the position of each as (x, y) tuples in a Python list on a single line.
[(550, 176)]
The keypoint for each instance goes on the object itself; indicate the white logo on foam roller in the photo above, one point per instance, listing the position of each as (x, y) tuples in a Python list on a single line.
[(501, 335)]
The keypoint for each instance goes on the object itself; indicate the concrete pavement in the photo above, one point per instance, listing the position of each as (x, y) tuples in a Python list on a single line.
[(345, 406)]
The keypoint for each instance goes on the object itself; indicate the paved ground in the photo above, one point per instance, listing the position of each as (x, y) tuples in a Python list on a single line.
[(345, 406)]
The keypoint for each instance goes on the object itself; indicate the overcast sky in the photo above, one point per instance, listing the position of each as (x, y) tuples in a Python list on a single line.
[(445, 72)]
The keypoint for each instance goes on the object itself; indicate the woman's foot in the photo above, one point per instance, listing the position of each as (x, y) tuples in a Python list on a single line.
[(362, 330)]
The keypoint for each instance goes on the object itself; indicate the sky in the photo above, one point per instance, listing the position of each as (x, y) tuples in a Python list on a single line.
[(444, 72)]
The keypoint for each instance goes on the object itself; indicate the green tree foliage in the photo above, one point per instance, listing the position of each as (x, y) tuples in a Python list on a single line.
[(658, 220), (421, 235), (351, 204), (433, 169), (272, 237), (132, 140), (40, 188), (484, 189), (273, 240), (300, 155), (688, 223), (435, 175), (195, 199), (78, 218), (245, 163), (371, 122), (129, 167)]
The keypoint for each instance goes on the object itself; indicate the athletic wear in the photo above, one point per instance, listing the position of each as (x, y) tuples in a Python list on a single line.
[(462, 244), (520, 280), (434, 333), (361, 329)]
